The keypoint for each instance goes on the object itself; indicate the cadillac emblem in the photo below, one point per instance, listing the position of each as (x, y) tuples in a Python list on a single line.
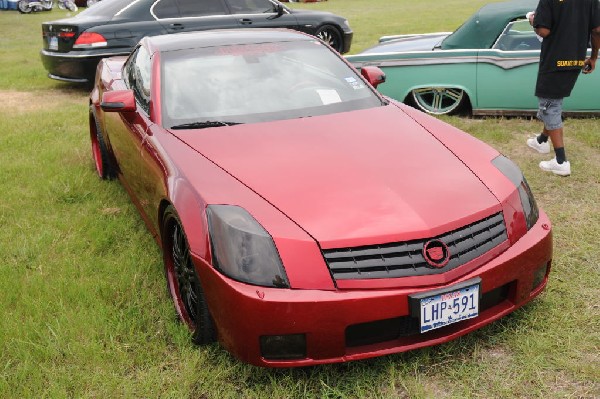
[(436, 253)]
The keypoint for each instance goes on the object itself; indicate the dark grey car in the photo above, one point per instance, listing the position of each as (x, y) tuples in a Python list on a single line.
[(73, 46)]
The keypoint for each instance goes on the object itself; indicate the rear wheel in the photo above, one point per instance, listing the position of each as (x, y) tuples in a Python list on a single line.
[(330, 35), (23, 7), (438, 100), (184, 282), (102, 160)]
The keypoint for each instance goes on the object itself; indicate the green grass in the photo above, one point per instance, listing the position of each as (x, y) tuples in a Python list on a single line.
[(86, 313)]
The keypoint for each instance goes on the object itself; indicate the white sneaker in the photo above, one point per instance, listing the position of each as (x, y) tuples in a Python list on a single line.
[(561, 169), (543, 148)]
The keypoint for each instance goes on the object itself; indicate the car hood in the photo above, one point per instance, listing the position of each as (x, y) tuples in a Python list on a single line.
[(404, 43), (348, 179)]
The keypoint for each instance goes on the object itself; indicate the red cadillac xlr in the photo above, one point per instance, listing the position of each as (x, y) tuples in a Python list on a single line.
[(304, 218)]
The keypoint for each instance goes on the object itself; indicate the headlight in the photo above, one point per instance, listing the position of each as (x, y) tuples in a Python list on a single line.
[(346, 23), (514, 174), (242, 249)]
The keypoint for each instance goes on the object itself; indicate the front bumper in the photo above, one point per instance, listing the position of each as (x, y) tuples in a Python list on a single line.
[(74, 66), (347, 41), (344, 325)]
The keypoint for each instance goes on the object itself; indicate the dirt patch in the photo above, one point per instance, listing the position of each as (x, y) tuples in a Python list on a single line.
[(21, 102)]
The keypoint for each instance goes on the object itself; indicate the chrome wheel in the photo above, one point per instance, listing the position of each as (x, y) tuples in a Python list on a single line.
[(24, 7), (330, 35), (438, 100)]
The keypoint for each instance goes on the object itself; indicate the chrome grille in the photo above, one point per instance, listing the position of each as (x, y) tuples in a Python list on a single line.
[(403, 259)]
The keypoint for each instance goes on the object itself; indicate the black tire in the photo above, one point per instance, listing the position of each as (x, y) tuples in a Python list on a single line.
[(102, 161), (183, 282), (23, 7), (332, 36)]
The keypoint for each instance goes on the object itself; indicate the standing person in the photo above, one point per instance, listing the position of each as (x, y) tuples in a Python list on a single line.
[(566, 27)]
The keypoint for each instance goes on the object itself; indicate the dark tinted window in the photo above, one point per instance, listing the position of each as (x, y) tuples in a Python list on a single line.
[(106, 8), (137, 77), (118, 9), (166, 9), (251, 6), (188, 8)]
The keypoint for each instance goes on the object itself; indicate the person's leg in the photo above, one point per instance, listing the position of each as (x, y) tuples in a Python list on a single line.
[(556, 136), (550, 113)]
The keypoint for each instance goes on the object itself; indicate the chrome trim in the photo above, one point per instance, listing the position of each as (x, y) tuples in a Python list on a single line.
[(371, 55), (383, 39), (286, 11), (509, 63), (70, 55), (502, 62), (524, 112), (126, 7), (71, 80)]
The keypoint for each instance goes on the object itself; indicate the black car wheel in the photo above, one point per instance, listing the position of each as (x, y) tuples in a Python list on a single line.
[(330, 35), (184, 282), (102, 160)]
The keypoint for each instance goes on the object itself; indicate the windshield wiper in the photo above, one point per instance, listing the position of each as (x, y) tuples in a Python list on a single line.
[(204, 124)]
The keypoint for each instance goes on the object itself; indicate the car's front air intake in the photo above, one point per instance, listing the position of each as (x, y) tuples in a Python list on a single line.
[(402, 259)]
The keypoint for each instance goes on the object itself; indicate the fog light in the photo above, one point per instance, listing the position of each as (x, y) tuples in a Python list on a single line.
[(283, 347), (539, 275)]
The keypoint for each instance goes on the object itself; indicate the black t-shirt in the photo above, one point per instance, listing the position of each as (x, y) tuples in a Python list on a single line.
[(564, 50)]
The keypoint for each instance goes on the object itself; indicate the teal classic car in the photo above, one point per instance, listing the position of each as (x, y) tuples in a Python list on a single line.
[(488, 66)]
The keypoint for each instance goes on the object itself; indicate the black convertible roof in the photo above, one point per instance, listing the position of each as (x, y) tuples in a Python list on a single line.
[(482, 29)]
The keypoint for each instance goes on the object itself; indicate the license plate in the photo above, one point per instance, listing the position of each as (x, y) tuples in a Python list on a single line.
[(53, 44), (440, 308)]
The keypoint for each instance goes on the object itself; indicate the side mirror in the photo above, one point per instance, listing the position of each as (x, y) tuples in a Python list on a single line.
[(279, 9), (118, 101), (374, 75)]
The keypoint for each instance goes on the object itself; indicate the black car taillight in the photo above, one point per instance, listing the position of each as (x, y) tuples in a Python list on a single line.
[(90, 40)]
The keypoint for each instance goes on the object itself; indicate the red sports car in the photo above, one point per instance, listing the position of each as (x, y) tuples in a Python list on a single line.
[(303, 217)]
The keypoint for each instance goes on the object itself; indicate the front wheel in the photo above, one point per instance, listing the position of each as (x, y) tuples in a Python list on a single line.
[(438, 100), (183, 281), (23, 7), (330, 35)]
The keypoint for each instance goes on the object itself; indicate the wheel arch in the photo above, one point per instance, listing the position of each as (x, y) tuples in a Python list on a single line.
[(191, 212), (469, 93)]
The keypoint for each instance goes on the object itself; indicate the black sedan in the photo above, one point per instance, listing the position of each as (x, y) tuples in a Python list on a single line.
[(73, 46)]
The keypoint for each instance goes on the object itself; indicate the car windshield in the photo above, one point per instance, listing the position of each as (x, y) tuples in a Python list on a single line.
[(258, 83), (518, 36)]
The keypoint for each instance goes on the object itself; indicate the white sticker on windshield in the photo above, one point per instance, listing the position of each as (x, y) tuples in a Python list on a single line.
[(355, 84), (329, 96)]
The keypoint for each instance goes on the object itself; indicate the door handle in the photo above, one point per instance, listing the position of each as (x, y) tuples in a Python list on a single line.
[(246, 21), (176, 26)]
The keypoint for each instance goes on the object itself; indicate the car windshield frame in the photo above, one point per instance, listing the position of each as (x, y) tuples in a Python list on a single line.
[(259, 82)]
